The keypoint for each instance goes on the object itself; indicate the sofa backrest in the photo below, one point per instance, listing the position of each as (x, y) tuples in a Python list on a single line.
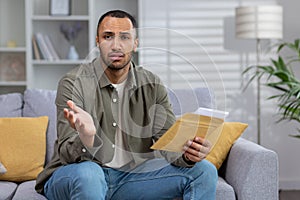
[(189, 100), (37, 102)]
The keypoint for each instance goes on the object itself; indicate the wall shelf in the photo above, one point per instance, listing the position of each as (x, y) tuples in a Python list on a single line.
[(13, 83), (29, 17), (60, 18), (12, 49), (58, 62)]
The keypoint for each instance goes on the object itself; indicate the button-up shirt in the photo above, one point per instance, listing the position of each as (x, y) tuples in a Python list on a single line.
[(146, 115)]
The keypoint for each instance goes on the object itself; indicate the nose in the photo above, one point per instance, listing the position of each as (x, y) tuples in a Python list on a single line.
[(116, 44)]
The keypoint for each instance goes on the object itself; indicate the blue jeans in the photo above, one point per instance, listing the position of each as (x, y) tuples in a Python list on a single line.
[(88, 180)]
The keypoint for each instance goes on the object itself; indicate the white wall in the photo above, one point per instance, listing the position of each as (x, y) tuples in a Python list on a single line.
[(288, 147), (275, 136)]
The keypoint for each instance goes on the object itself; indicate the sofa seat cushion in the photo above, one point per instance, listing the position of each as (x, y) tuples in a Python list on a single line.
[(11, 105), (7, 189), (224, 190), (39, 102), (26, 191)]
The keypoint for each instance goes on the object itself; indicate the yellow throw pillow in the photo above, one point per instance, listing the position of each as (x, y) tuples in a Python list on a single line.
[(229, 133), (22, 147)]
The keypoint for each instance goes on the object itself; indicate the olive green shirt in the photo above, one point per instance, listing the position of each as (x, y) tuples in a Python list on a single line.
[(146, 114)]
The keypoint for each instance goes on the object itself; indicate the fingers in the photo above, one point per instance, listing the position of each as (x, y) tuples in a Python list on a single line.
[(79, 119), (70, 114), (198, 145), (73, 106), (202, 141), (197, 149), (66, 113)]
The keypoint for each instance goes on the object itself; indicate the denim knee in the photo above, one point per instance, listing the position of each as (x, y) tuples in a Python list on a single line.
[(88, 169), (89, 181), (209, 172), (85, 180)]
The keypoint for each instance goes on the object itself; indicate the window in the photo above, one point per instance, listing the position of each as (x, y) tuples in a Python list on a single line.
[(183, 42)]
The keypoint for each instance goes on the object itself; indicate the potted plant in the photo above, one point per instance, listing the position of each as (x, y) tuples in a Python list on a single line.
[(280, 76)]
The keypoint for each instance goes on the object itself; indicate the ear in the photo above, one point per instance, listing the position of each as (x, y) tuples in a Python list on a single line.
[(136, 43), (97, 41)]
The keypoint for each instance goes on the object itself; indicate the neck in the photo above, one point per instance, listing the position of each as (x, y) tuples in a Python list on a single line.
[(117, 76)]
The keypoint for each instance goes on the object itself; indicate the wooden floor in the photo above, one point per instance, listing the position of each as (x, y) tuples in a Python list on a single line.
[(289, 195)]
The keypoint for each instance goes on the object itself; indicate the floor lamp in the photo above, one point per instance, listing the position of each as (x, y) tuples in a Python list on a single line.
[(258, 22)]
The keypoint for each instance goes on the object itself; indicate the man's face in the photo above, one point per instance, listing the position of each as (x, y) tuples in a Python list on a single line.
[(116, 40)]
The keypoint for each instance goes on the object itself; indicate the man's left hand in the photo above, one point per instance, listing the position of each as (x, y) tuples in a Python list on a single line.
[(197, 149)]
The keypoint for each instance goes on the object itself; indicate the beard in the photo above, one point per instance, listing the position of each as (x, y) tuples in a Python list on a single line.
[(116, 65)]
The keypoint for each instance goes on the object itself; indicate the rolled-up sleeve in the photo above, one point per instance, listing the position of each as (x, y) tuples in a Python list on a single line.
[(70, 147)]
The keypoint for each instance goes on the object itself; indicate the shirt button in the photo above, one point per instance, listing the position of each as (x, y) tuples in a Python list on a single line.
[(114, 100), (83, 150), (114, 124), (113, 146)]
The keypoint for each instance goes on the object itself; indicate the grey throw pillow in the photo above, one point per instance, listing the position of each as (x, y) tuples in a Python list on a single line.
[(39, 102), (11, 105)]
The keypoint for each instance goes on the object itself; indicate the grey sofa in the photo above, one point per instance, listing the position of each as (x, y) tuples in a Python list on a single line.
[(250, 171)]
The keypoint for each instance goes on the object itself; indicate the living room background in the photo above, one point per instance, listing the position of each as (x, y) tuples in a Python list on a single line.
[(184, 43)]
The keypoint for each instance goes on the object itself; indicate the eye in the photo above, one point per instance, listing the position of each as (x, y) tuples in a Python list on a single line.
[(124, 37), (108, 37)]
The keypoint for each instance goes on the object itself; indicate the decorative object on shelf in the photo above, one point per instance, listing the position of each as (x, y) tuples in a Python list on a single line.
[(60, 7), (72, 54), (280, 76), (71, 33), (11, 44), (12, 67), (259, 22)]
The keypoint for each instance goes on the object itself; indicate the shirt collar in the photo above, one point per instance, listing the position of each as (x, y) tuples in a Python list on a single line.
[(103, 79)]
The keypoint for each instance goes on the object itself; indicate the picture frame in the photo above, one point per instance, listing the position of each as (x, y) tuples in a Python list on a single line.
[(60, 7), (12, 67)]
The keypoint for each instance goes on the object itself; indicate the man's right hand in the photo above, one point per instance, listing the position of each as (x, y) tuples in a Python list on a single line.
[(82, 122)]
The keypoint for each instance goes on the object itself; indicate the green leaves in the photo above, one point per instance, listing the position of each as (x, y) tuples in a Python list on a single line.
[(281, 78)]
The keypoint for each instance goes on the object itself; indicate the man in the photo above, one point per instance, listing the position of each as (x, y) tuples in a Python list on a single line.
[(115, 112)]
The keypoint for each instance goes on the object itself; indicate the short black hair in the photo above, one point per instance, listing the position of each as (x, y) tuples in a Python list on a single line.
[(117, 14)]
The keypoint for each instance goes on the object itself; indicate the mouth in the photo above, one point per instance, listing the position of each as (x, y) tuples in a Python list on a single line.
[(116, 56)]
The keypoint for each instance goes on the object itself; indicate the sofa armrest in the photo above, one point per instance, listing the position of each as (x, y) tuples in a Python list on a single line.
[(252, 171)]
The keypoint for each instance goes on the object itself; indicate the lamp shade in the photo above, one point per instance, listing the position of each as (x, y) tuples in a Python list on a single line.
[(259, 22)]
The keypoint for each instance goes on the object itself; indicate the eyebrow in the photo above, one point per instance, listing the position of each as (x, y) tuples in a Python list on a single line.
[(112, 33), (108, 32), (125, 33)]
